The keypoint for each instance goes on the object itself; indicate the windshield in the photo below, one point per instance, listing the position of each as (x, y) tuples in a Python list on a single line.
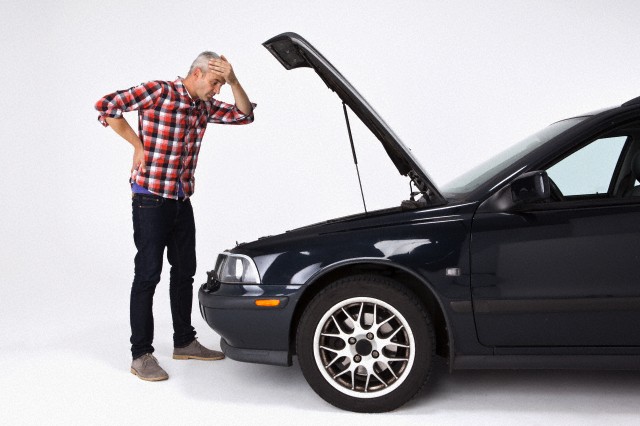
[(493, 166)]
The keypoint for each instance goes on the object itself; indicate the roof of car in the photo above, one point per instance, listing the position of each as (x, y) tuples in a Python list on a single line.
[(634, 101)]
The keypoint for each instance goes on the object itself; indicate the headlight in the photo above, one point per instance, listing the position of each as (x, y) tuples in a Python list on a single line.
[(236, 268)]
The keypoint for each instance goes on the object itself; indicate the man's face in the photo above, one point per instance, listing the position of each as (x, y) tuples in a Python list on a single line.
[(208, 85)]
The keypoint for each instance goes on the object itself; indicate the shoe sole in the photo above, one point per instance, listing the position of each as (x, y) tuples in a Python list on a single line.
[(149, 379), (197, 357)]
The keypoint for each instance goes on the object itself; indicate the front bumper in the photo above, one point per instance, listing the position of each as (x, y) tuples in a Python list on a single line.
[(248, 332)]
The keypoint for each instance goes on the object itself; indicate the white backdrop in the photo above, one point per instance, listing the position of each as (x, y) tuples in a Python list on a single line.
[(457, 81)]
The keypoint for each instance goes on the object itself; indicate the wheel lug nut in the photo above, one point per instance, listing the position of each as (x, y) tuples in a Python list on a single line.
[(357, 358), (352, 340), (375, 354), (370, 336)]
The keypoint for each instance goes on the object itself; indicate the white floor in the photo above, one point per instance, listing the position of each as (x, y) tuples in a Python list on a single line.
[(73, 368)]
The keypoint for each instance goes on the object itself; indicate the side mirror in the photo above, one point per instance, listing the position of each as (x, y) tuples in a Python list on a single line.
[(531, 187), (528, 188)]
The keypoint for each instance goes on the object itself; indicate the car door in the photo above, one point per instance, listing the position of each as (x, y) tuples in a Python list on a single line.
[(566, 272)]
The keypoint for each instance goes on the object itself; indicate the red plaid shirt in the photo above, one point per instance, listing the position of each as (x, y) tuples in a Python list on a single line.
[(171, 125)]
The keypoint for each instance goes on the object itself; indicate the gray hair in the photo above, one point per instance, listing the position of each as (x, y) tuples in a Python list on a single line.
[(202, 61)]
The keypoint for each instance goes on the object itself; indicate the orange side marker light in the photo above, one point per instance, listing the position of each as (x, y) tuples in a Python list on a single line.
[(267, 303)]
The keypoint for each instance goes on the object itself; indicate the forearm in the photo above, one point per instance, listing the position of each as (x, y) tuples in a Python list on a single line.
[(122, 128), (241, 99)]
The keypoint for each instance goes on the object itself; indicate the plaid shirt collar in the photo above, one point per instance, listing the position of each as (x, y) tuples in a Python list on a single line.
[(182, 89)]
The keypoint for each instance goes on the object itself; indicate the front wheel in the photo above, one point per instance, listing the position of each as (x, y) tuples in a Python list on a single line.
[(365, 344)]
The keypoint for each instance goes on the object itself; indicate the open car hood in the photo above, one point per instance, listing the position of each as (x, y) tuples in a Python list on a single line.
[(294, 51)]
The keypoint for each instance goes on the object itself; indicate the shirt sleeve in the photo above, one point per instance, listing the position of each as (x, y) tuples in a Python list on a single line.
[(224, 113), (139, 97)]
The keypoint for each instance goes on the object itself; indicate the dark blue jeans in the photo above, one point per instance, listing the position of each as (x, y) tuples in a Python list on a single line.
[(158, 223)]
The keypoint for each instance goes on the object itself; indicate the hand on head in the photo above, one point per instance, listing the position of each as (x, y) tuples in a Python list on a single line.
[(223, 68)]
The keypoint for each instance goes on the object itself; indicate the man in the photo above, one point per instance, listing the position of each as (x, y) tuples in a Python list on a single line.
[(172, 118)]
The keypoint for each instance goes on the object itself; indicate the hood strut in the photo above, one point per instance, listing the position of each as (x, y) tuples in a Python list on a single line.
[(353, 151), (293, 51)]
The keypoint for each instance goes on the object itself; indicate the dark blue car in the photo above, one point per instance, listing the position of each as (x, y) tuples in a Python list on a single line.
[(530, 260)]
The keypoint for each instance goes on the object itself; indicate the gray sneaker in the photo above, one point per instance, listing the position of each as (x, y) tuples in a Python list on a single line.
[(196, 351), (147, 368)]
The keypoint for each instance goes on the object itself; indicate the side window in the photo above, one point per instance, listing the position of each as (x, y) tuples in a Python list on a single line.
[(588, 171)]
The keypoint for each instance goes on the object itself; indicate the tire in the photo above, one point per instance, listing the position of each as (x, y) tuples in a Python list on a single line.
[(347, 353)]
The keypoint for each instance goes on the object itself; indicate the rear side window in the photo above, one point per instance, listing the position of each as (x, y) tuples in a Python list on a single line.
[(588, 171)]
